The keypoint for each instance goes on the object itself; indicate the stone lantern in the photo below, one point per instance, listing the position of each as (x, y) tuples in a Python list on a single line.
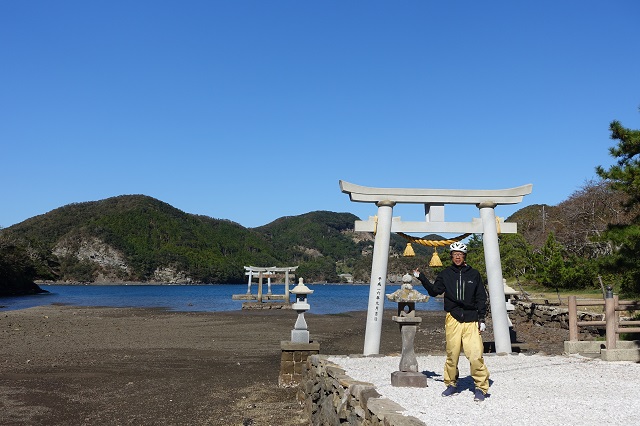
[(408, 374), (296, 352), (300, 334)]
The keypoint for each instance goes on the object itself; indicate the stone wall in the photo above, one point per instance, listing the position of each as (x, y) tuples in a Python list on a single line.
[(330, 397), (550, 315)]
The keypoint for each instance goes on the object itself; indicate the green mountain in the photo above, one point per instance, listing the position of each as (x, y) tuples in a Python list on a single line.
[(136, 238)]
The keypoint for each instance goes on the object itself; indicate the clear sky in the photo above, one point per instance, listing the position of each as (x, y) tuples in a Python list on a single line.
[(254, 110)]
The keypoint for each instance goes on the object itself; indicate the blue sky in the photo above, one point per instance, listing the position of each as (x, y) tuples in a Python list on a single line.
[(254, 110)]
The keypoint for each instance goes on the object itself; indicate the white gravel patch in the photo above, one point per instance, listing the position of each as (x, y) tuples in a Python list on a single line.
[(524, 390)]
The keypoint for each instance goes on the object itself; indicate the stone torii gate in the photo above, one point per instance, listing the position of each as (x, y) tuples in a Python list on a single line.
[(268, 272), (434, 201)]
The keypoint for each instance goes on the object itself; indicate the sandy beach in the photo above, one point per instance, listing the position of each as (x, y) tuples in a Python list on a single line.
[(123, 366)]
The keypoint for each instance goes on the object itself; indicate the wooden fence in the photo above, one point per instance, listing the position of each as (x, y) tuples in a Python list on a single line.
[(612, 323)]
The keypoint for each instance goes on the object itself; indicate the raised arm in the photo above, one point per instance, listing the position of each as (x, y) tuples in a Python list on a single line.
[(434, 289)]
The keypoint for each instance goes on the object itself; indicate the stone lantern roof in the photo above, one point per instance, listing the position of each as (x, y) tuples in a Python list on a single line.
[(406, 293), (300, 288)]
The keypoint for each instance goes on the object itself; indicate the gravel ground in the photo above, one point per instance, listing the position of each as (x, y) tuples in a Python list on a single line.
[(525, 389)]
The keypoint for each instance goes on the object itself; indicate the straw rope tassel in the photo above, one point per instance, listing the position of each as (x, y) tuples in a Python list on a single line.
[(408, 251), (435, 259)]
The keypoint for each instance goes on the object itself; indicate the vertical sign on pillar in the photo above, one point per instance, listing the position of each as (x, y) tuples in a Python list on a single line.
[(378, 311), (378, 278)]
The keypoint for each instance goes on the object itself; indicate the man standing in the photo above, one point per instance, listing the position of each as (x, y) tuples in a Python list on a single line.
[(465, 301)]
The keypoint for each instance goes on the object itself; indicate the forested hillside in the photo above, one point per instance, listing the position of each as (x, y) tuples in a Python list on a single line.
[(17, 270), (137, 238)]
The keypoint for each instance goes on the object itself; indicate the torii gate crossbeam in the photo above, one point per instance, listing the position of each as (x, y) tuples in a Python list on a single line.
[(434, 201)]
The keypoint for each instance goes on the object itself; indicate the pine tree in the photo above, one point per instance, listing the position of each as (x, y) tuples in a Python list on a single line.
[(625, 176)]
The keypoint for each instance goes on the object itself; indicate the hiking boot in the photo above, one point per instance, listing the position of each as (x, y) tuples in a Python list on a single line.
[(450, 390), (478, 396)]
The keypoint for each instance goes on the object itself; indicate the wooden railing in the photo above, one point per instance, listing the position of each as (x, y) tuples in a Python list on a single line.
[(612, 323)]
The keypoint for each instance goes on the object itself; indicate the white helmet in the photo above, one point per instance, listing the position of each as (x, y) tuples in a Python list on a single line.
[(458, 247)]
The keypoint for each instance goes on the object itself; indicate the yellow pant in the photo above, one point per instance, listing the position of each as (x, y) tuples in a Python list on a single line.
[(465, 336)]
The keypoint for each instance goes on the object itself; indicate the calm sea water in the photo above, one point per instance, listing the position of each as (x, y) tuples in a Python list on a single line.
[(325, 299)]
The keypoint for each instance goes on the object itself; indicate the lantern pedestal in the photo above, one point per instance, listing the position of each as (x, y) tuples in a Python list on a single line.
[(409, 379), (408, 374)]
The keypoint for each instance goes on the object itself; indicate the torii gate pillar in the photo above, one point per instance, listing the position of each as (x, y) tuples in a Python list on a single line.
[(494, 278), (378, 278)]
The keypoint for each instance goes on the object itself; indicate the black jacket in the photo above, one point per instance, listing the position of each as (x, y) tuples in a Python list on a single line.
[(464, 295)]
